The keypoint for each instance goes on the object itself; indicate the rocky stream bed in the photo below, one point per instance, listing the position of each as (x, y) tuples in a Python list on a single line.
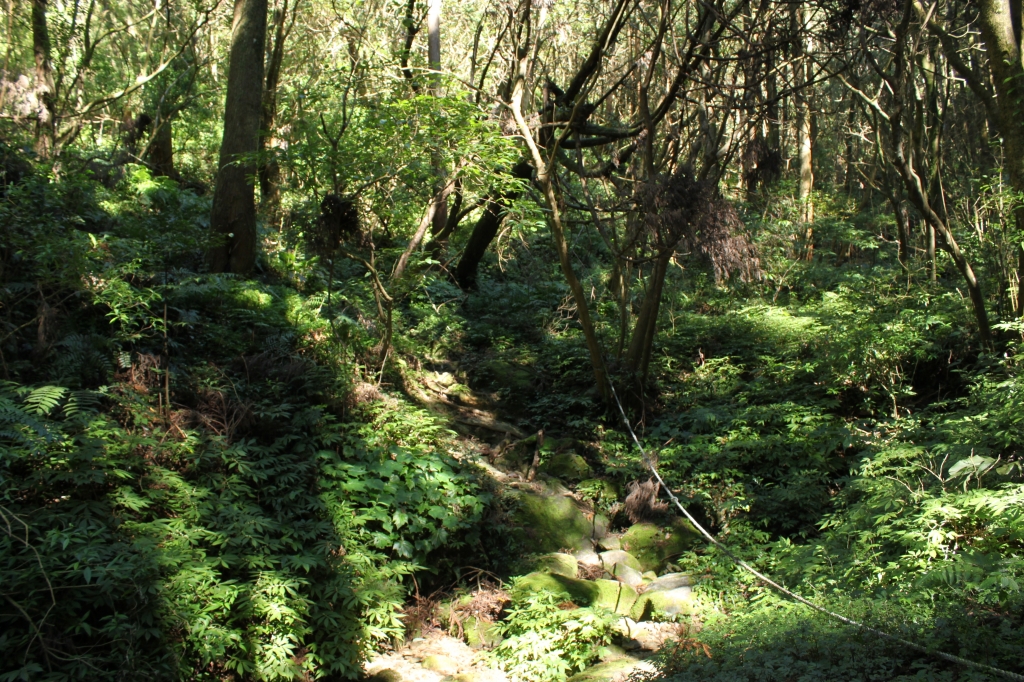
[(575, 554)]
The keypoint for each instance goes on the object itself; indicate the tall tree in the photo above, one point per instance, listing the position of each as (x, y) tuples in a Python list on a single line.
[(233, 216), (44, 85), (1001, 29)]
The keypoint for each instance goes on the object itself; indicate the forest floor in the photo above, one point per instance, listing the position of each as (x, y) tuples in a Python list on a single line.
[(440, 646)]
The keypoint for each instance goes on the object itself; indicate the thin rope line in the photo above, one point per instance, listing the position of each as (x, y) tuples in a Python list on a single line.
[(792, 595)]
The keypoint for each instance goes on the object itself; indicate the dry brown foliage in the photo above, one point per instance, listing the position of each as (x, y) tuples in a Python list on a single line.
[(642, 502), (690, 216)]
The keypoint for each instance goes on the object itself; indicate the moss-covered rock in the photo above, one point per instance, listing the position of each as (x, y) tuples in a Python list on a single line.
[(567, 466), (387, 675), (609, 594), (508, 375), (619, 669), (550, 521), (615, 596), (555, 562), (440, 664), (480, 634), (670, 602), (653, 546)]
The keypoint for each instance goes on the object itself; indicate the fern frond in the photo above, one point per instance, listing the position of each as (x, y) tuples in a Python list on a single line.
[(42, 401)]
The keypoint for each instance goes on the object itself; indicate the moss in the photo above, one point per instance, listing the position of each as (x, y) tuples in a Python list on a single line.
[(555, 562), (607, 672), (480, 634), (567, 466), (549, 522), (508, 375), (654, 546), (608, 594), (670, 602)]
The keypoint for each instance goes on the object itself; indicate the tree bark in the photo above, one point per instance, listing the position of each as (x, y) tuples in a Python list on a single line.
[(1001, 30), (233, 217), (269, 171), (486, 229), (161, 149), (434, 60), (45, 89), (804, 139)]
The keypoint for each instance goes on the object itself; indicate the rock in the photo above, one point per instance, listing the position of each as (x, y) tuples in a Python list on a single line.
[(480, 634), (627, 575), (612, 671), (555, 562), (611, 653), (670, 602), (440, 664), (669, 581), (478, 675), (653, 546), (387, 675), (587, 557), (650, 576), (609, 594), (550, 521), (507, 375), (610, 543), (601, 524), (599, 488), (614, 596), (616, 556), (567, 466)]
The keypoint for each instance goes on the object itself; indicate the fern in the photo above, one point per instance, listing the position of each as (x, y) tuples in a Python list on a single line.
[(42, 401)]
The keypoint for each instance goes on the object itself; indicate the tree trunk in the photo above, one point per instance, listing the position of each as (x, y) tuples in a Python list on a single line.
[(486, 229), (45, 89), (804, 138), (434, 59), (638, 357), (269, 170), (233, 217), (1001, 31), (161, 149)]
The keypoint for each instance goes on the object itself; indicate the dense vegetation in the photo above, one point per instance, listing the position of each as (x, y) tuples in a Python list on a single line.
[(270, 318)]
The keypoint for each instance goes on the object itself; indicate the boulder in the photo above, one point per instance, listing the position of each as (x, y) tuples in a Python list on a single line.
[(616, 556), (669, 581), (614, 596), (627, 575), (567, 466), (587, 557), (669, 602), (609, 543), (480, 634), (549, 521), (554, 562), (609, 594), (654, 546), (505, 374), (387, 675), (440, 664), (612, 671)]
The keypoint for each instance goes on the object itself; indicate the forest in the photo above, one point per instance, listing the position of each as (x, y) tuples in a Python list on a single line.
[(512, 340)]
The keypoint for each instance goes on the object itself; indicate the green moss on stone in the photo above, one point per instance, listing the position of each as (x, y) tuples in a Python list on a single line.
[(555, 562), (607, 672), (567, 466), (548, 522), (653, 546), (608, 594)]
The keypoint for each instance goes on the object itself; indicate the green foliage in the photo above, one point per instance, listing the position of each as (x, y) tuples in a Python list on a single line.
[(774, 641), (546, 639), (248, 528)]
